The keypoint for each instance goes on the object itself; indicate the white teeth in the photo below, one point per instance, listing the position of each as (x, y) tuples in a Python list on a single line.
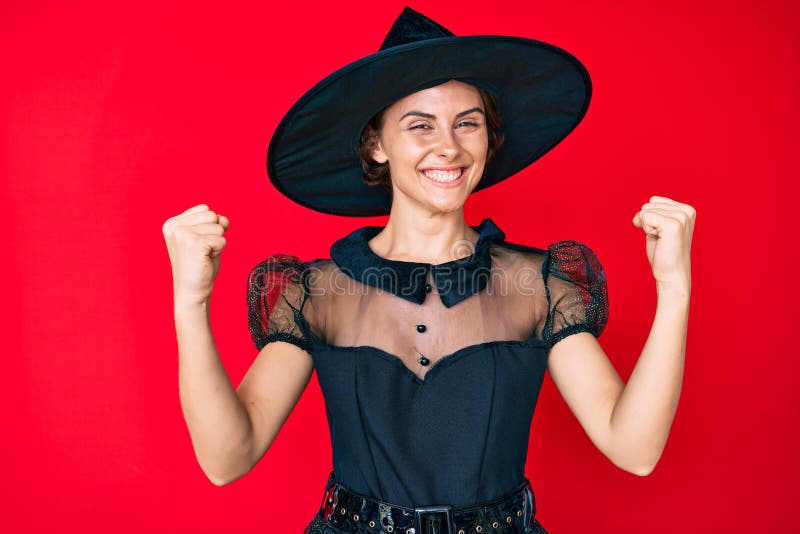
[(443, 176)]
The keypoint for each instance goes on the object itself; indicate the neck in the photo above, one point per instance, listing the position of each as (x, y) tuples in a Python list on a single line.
[(425, 238)]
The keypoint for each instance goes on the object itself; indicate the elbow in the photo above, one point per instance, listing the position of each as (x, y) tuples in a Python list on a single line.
[(222, 469), (648, 465), (643, 471), (633, 458), (220, 480), (644, 467), (634, 464), (217, 478), (222, 475)]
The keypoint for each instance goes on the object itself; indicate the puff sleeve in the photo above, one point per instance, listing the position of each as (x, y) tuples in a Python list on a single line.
[(275, 298), (576, 289)]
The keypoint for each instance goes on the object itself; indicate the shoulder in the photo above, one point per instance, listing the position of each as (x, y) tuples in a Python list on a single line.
[(574, 260), (283, 268), (559, 250), (279, 262), (565, 259), (508, 254)]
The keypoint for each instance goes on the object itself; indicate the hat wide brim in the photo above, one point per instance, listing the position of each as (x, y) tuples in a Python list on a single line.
[(542, 93)]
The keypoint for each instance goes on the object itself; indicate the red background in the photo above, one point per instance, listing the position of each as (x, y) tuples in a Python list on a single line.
[(116, 118)]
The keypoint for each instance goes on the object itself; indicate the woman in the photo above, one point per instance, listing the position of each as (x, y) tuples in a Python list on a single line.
[(430, 337)]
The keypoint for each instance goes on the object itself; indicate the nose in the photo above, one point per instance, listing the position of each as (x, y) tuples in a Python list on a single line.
[(447, 144)]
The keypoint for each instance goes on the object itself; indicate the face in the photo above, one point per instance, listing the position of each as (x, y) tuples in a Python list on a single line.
[(436, 142)]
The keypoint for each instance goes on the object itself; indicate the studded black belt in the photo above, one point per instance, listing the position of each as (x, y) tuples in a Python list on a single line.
[(351, 512)]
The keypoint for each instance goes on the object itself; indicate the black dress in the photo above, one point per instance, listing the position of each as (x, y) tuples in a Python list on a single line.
[(453, 429)]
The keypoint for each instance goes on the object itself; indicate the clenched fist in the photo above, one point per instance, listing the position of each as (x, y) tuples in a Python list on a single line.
[(194, 242), (668, 226)]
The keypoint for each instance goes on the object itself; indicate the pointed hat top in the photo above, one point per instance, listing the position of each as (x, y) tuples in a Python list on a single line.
[(412, 26)]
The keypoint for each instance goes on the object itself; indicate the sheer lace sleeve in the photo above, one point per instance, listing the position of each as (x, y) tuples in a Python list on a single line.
[(275, 298), (577, 294)]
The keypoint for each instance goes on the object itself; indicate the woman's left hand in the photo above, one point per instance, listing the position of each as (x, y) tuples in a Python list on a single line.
[(668, 226)]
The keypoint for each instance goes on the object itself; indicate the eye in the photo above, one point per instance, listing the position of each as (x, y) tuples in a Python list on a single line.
[(468, 123), (419, 126)]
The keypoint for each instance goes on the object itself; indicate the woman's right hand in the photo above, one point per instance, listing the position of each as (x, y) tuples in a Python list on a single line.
[(194, 242)]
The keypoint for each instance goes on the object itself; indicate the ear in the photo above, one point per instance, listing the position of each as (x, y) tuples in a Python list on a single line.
[(377, 150)]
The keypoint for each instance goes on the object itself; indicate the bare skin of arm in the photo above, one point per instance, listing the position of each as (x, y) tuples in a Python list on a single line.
[(630, 423), (230, 430)]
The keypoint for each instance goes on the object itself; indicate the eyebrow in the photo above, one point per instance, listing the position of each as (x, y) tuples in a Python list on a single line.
[(429, 116)]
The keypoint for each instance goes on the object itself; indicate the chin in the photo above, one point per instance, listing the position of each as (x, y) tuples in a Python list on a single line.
[(446, 206)]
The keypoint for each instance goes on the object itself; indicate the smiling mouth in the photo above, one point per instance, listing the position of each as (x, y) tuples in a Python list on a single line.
[(444, 176)]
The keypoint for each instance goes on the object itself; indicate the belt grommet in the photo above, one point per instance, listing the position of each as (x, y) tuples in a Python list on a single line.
[(519, 513), (495, 524), (461, 531), (479, 528), (372, 524), (508, 519), (355, 517), (342, 511), (389, 528)]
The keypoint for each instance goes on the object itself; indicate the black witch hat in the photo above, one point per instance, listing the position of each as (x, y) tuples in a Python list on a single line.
[(542, 93)]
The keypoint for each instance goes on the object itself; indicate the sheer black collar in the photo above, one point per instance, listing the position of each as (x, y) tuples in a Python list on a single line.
[(455, 280)]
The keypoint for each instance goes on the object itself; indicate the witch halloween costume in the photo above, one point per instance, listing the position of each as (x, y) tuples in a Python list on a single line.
[(439, 448)]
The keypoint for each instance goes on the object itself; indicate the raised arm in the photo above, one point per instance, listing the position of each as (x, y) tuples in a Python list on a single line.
[(230, 430), (630, 423)]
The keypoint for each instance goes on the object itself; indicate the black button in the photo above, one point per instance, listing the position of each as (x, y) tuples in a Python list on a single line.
[(424, 361), (421, 328), (428, 288)]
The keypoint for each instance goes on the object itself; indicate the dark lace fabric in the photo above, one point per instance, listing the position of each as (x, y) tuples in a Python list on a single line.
[(454, 431)]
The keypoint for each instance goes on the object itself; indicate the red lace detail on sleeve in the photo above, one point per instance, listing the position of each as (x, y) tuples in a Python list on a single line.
[(577, 290), (275, 298)]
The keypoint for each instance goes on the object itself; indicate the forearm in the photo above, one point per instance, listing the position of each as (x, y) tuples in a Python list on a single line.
[(218, 423), (644, 412)]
